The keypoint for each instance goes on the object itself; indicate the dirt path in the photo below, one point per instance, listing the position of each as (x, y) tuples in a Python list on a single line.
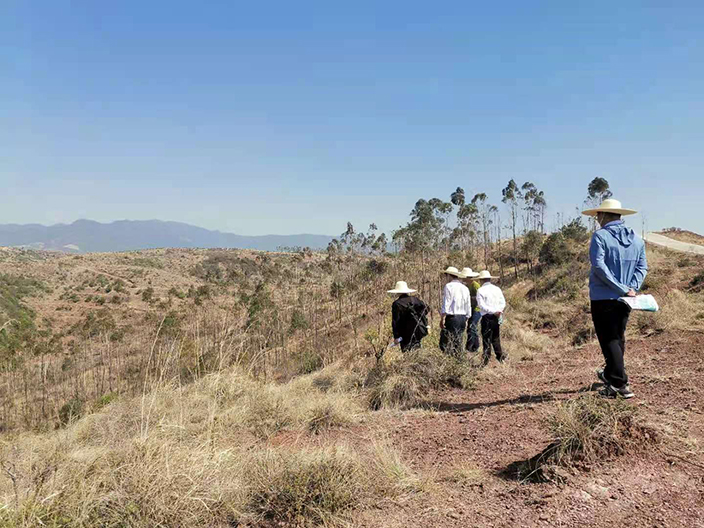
[(503, 422), (661, 240)]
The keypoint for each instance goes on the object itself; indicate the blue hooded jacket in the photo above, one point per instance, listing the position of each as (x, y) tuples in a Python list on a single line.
[(618, 262)]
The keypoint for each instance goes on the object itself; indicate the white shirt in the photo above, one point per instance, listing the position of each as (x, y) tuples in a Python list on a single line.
[(490, 299), (456, 299)]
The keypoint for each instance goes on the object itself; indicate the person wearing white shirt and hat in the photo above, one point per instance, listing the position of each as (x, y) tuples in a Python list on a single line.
[(409, 317), (456, 307), (491, 303), (619, 267)]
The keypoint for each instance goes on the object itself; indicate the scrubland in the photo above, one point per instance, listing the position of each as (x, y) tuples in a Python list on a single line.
[(235, 388)]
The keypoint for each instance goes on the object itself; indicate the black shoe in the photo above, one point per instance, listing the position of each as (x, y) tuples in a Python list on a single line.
[(600, 376), (624, 392)]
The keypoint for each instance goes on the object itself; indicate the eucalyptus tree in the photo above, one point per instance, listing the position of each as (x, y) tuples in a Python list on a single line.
[(534, 208), (597, 191), (511, 195), (464, 233), (484, 216)]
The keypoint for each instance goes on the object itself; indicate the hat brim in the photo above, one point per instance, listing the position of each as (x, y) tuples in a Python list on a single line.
[(401, 291), (622, 212), (471, 276), (453, 274)]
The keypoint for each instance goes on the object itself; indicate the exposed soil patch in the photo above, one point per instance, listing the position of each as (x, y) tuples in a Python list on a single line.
[(502, 422)]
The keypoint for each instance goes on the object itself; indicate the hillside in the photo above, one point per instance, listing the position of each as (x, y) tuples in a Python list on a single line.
[(240, 388), (683, 235), (87, 236)]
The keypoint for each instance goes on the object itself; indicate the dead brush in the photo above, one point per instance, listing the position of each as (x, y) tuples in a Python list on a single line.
[(585, 431), (405, 380), (303, 488), (326, 414), (266, 414)]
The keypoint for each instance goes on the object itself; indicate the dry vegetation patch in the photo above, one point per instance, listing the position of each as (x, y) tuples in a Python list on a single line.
[(586, 430), (404, 380), (683, 235)]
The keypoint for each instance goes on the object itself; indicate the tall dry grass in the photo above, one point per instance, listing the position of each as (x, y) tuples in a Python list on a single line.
[(195, 455)]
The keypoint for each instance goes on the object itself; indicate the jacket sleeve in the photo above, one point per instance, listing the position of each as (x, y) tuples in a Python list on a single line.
[(396, 320), (640, 272), (599, 268)]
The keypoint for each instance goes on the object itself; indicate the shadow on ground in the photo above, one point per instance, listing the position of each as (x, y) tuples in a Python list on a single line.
[(523, 399)]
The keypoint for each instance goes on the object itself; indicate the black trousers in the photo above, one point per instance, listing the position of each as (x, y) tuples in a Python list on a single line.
[(473, 332), (610, 319), (451, 335), (409, 343), (491, 337)]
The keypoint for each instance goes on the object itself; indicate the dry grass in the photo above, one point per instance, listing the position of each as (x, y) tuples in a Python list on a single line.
[(467, 473), (679, 311), (683, 236), (586, 430), (389, 462), (405, 380), (304, 487), (524, 344), (193, 456)]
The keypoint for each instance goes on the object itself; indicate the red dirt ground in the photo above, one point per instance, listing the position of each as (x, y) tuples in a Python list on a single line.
[(503, 422)]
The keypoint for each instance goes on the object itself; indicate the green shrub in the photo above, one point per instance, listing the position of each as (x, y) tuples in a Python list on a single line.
[(18, 331), (94, 324), (175, 292), (298, 321), (105, 400), (575, 230), (146, 262), (308, 361), (70, 411)]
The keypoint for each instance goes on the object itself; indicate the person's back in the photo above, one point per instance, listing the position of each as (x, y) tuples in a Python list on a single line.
[(618, 270), (618, 262), (409, 320), (490, 299)]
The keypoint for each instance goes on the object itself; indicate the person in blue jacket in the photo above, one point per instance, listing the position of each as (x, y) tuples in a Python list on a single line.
[(619, 267)]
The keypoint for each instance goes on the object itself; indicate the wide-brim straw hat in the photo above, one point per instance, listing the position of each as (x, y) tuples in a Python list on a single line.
[(467, 273), (401, 287), (609, 206), (485, 275), (451, 270)]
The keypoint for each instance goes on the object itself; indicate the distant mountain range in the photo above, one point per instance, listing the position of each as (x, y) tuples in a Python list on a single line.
[(84, 236)]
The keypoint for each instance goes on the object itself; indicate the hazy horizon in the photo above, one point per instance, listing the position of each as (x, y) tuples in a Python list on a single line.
[(252, 120), (107, 222)]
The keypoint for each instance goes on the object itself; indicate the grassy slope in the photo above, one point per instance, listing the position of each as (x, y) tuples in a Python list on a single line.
[(229, 447), (684, 236)]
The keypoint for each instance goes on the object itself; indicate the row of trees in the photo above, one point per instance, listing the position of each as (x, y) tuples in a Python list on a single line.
[(473, 226)]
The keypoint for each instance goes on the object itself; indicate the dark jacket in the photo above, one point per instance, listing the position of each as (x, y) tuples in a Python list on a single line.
[(409, 319)]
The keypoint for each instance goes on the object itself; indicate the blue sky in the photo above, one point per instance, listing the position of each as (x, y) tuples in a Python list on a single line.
[(292, 117)]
